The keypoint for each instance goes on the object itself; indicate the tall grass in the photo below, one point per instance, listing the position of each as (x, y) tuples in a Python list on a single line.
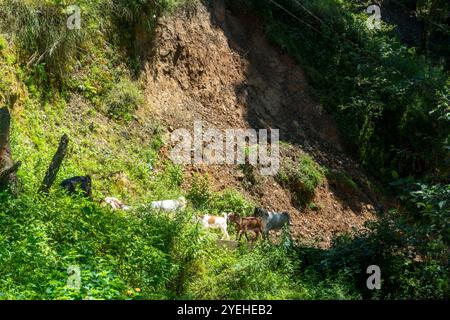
[(39, 30)]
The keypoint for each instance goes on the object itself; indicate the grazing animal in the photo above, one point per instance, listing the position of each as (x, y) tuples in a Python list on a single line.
[(272, 220), (169, 205), (84, 183), (116, 204), (214, 222), (246, 224)]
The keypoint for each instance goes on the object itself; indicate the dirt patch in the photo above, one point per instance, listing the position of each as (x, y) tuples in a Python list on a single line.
[(219, 68)]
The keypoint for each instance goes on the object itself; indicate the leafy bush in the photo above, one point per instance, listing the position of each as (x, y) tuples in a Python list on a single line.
[(230, 200), (200, 193), (429, 205), (301, 178), (123, 100)]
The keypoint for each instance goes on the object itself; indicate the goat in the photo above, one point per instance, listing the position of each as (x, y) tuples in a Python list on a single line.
[(246, 224), (82, 182), (214, 222), (272, 220), (169, 205), (115, 204)]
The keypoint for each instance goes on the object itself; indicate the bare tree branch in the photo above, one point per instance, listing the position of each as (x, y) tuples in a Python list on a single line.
[(53, 169)]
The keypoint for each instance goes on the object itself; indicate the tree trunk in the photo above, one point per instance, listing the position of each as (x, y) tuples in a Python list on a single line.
[(8, 169), (53, 169)]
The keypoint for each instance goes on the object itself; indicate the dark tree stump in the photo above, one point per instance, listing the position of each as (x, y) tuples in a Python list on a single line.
[(8, 177), (53, 169)]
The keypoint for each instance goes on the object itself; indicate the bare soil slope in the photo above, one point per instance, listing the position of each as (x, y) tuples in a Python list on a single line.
[(219, 68)]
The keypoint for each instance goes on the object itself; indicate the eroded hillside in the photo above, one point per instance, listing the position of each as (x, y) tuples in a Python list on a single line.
[(219, 68)]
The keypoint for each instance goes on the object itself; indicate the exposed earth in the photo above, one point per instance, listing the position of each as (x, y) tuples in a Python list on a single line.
[(217, 67)]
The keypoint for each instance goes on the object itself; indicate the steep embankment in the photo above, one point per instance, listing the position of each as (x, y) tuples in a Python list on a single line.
[(219, 68)]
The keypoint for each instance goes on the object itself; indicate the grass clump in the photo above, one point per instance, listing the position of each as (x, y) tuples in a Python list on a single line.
[(301, 178), (40, 32), (342, 181), (123, 100)]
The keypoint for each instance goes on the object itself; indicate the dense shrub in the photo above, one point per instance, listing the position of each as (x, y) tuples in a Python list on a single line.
[(200, 193), (265, 272), (228, 200)]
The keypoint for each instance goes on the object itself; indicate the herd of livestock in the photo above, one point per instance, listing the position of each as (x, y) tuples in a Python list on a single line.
[(258, 225)]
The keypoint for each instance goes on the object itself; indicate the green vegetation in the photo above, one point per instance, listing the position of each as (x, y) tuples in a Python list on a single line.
[(342, 181), (392, 105), (41, 35), (266, 272), (123, 99), (414, 252), (301, 178), (41, 237), (204, 199), (433, 14)]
